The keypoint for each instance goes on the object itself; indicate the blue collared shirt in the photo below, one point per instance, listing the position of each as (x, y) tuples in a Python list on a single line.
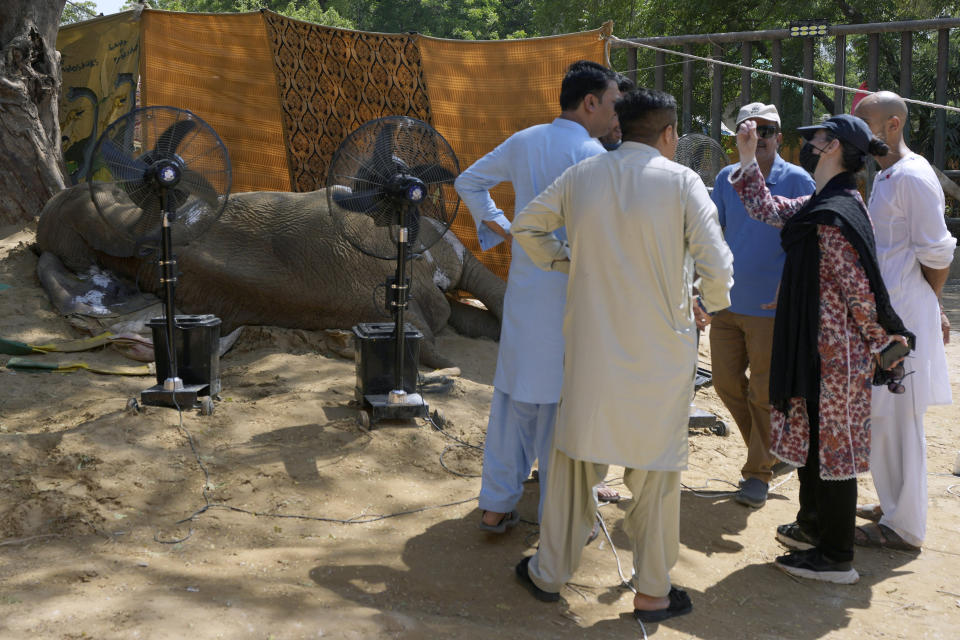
[(757, 255), (530, 160), (530, 360)]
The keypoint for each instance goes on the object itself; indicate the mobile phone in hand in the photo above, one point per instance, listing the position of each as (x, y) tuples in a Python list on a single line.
[(891, 353)]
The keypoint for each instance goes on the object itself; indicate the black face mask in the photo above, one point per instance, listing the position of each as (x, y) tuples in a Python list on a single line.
[(808, 159)]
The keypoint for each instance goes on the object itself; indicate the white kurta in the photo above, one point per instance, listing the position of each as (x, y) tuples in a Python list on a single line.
[(638, 224), (530, 360), (906, 206)]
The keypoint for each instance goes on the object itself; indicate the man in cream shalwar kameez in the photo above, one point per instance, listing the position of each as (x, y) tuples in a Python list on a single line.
[(639, 225), (914, 249)]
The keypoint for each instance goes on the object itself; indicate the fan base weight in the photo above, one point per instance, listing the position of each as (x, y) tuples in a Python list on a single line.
[(700, 419), (187, 397), (378, 407), (375, 346)]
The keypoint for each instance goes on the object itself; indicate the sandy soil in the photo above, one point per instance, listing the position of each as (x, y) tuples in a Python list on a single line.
[(93, 542)]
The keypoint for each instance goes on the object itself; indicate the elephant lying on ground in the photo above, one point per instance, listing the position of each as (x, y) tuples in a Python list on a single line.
[(277, 258)]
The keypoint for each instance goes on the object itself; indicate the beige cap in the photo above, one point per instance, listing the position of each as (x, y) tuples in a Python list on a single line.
[(758, 110)]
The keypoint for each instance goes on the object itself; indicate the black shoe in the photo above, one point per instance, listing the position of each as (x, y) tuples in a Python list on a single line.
[(752, 493), (813, 565), (523, 574), (795, 537)]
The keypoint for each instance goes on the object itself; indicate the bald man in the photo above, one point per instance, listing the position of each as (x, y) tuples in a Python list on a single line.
[(914, 250)]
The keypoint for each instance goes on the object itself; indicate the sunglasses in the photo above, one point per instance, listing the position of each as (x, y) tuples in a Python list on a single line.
[(896, 383), (765, 130), (891, 378)]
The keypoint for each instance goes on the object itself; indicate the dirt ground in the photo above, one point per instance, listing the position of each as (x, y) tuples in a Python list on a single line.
[(93, 499)]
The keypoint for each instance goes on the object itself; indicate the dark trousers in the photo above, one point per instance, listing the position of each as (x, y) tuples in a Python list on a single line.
[(828, 508)]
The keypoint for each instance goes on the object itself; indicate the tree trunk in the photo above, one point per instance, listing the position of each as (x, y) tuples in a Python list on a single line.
[(30, 159)]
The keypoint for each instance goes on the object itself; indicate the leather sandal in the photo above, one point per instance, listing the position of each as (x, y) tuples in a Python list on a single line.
[(507, 521), (881, 536)]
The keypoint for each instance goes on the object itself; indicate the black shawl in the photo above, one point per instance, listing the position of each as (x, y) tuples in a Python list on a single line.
[(795, 362)]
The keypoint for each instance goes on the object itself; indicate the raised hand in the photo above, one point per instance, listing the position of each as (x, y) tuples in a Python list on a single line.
[(747, 142)]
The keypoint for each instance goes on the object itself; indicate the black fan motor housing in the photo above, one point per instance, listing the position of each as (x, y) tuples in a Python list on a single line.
[(196, 342), (404, 187), (165, 173)]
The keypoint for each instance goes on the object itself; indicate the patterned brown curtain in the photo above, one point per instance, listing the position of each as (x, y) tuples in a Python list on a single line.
[(331, 81)]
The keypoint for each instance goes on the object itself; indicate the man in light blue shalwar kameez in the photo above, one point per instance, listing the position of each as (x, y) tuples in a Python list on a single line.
[(530, 361)]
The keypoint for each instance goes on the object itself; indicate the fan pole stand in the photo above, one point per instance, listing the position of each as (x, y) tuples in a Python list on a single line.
[(398, 404), (172, 392), (388, 181)]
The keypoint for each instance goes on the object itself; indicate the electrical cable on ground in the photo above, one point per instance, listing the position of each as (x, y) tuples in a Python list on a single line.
[(719, 494), (208, 504), (460, 444), (364, 519)]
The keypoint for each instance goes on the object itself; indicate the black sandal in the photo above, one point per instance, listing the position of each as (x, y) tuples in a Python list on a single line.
[(680, 604)]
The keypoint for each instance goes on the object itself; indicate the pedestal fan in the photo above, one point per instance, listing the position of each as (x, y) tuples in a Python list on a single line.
[(703, 154), (707, 157), (390, 192), (169, 179)]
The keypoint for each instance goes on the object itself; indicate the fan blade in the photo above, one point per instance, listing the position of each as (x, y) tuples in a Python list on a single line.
[(380, 169), (433, 173), (383, 146), (122, 167), (148, 221), (199, 186), (367, 176), (141, 194), (176, 197), (170, 139), (358, 201)]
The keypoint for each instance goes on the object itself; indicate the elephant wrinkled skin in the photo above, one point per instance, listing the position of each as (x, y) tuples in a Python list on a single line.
[(276, 258)]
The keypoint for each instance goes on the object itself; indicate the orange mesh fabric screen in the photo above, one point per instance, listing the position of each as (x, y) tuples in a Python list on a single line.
[(331, 81), (221, 68), (482, 92)]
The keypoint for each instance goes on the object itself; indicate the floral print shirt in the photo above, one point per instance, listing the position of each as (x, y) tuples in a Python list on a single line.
[(848, 337)]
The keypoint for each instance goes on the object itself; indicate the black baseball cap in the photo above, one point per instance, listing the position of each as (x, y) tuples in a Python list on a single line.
[(844, 127)]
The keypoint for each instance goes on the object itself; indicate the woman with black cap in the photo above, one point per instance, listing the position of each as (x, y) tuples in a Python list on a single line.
[(833, 319)]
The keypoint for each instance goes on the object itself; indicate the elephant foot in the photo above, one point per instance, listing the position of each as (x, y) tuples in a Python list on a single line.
[(472, 322), (431, 357)]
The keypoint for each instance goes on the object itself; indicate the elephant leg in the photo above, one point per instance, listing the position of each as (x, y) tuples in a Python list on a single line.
[(430, 356), (472, 322), (484, 284), (103, 296)]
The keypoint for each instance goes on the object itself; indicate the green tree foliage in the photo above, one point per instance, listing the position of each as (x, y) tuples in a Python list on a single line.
[(316, 11), (77, 10), (464, 19)]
